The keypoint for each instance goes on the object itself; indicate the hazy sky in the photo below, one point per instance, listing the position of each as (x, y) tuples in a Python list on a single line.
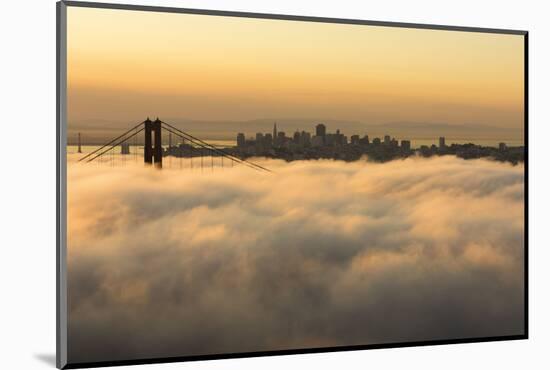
[(125, 65)]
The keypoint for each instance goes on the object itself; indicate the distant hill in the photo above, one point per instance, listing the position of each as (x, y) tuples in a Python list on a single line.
[(419, 130)]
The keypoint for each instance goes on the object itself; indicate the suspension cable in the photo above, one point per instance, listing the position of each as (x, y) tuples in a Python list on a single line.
[(208, 147), (114, 145), (226, 154), (110, 142)]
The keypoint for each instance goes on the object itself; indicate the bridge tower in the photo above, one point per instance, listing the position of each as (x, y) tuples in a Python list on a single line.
[(153, 148)]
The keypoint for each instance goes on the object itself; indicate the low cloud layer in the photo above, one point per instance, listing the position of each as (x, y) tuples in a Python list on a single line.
[(321, 253)]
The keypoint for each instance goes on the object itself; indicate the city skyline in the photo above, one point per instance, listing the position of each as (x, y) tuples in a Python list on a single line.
[(356, 136), (304, 145), (300, 145), (97, 132), (321, 130)]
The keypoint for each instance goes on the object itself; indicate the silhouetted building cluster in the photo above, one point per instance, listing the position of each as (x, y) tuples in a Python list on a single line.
[(304, 145), (472, 151), (325, 145)]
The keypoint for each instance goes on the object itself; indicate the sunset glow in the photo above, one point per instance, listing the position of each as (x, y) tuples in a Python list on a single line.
[(129, 64)]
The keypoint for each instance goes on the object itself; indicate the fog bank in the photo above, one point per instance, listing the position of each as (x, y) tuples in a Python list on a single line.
[(320, 253)]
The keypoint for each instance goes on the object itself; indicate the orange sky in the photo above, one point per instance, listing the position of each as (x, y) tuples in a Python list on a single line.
[(124, 65)]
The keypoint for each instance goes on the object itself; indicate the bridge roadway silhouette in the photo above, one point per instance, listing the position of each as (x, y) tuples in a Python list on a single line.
[(153, 152)]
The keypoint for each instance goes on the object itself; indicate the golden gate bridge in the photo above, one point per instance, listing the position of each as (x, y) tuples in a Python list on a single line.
[(153, 151)]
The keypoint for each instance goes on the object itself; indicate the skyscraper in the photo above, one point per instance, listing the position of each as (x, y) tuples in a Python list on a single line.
[(441, 142), (275, 140), (240, 140), (320, 130), (259, 143), (281, 139), (268, 140), (364, 140), (305, 138), (297, 137)]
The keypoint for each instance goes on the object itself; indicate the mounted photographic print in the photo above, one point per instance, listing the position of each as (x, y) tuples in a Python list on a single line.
[(238, 184)]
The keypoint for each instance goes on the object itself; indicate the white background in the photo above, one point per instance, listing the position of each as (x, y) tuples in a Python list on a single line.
[(27, 206)]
